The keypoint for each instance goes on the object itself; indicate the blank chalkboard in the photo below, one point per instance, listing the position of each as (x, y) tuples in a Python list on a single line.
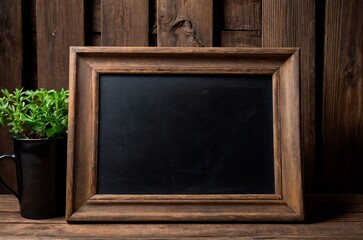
[(185, 134)]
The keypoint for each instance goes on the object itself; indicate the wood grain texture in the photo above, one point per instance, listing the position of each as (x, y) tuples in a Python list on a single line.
[(81, 154), (185, 23), (325, 230), (60, 24), (125, 22), (242, 15), (83, 204), (11, 67), (291, 23), (343, 97), (241, 39), (333, 224), (289, 127)]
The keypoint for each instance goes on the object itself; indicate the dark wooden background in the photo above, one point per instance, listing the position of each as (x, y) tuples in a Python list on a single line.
[(35, 36)]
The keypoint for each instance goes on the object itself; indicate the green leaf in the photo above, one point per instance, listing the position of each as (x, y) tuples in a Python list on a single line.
[(22, 117), (52, 131), (4, 106)]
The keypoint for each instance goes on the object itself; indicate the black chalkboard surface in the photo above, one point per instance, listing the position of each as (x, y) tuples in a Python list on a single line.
[(185, 134)]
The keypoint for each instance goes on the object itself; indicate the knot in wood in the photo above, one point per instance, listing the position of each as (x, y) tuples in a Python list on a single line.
[(350, 74), (185, 27)]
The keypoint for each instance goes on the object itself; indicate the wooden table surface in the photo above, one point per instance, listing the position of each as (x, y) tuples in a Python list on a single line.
[(329, 217)]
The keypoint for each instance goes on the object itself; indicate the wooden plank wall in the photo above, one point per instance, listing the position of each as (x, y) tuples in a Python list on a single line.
[(11, 67), (343, 96), (291, 23), (184, 23), (35, 35), (59, 24), (120, 26), (242, 23)]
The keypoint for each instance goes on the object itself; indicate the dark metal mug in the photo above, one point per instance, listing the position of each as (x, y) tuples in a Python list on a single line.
[(41, 176)]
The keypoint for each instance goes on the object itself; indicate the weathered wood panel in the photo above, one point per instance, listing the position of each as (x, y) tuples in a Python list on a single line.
[(185, 23), (125, 22), (60, 24), (291, 23), (241, 39), (343, 96), (242, 14), (331, 224), (39, 230), (11, 67)]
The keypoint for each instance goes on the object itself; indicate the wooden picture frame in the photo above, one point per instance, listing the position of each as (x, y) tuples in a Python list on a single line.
[(86, 66)]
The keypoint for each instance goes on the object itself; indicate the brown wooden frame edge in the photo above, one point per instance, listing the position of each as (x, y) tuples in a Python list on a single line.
[(86, 63)]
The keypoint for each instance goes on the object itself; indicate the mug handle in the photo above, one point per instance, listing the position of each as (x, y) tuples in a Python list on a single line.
[(12, 157)]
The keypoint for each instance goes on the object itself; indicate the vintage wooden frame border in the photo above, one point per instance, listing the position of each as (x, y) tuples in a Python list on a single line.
[(87, 63)]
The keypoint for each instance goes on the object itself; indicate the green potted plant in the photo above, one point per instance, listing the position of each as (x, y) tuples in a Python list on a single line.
[(38, 121)]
